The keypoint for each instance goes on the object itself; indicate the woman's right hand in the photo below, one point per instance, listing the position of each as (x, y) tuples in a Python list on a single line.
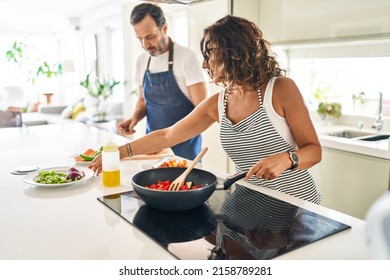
[(96, 165), (271, 167)]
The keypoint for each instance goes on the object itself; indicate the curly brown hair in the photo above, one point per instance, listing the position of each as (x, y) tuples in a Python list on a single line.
[(245, 55)]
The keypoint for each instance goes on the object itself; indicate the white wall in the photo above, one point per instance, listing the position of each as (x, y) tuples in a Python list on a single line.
[(131, 50)]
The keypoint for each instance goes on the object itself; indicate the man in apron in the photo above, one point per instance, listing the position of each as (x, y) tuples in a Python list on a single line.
[(170, 78)]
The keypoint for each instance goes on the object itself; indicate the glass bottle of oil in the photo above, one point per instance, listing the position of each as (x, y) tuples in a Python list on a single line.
[(111, 165)]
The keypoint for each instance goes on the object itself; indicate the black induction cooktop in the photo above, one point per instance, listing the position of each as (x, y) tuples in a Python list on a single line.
[(239, 224)]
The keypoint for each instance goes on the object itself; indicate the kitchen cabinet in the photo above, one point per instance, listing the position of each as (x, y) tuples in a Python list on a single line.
[(311, 20), (350, 182)]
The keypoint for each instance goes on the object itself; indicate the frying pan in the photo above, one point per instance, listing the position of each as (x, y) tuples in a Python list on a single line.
[(233, 178), (174, 200)]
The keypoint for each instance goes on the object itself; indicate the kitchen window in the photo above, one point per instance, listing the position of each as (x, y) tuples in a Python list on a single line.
[(352, 73), (35, 51), (116, 57)]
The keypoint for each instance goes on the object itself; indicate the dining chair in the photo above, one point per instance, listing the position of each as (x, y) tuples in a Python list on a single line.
[(13, 99), (10, 119)]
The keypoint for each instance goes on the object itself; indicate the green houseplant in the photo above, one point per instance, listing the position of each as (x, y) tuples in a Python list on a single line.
[(32, 67), (47, 70), (19, 55), (100, 89), (329, 109), (16, 53), (359, 102)]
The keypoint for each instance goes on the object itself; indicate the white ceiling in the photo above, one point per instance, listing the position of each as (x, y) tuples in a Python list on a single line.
[(24, 14), (21, 14)]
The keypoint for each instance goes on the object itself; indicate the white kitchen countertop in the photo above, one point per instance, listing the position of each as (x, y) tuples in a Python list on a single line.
[(70, 223), (379, 149)]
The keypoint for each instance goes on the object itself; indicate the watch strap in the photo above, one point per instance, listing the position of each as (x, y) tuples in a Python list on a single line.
[(294, 159)]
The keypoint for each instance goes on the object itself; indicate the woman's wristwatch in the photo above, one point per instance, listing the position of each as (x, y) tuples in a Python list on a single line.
[(294, 158)]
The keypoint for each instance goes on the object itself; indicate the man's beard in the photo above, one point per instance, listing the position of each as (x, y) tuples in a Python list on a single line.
[(155, 51)]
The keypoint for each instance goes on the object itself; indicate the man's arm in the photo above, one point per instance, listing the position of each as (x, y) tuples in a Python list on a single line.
[(126, 127)]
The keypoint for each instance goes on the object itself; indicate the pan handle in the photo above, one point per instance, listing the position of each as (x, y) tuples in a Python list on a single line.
[(233, 178)]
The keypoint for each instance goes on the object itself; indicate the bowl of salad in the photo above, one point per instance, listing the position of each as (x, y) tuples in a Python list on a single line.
[(152, 187)]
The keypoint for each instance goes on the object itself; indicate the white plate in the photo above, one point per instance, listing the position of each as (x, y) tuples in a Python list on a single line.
[(30, 178), (83, 163)]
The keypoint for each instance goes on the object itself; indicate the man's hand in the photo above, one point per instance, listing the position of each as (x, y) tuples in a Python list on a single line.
[(127, 127)]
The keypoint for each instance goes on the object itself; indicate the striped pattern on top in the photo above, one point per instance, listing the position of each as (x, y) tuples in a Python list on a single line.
[(255, 138), (246, 210)]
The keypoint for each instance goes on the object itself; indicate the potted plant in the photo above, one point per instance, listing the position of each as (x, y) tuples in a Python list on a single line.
[(101, 90), (34, 68), (329, 110), (19, 54), (359, 102), (46, 70)]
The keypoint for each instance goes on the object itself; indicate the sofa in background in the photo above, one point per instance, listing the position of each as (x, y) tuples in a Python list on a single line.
[(55, 114)]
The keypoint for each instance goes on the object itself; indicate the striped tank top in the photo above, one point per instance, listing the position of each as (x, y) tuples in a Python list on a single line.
[(255, 138)]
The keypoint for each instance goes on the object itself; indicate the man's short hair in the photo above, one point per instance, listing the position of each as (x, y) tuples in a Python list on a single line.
[(142, 10)]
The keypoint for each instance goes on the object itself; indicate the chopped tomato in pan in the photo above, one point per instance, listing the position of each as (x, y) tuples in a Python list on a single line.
[(164, 186)]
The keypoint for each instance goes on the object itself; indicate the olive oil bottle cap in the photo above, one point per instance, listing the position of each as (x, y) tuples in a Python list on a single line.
[(110, 146)]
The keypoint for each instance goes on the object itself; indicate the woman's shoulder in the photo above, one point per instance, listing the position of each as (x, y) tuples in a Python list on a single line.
[(284, 85), (215, 106), (285, 92), (284, 81), (211, 102), (213, 98)]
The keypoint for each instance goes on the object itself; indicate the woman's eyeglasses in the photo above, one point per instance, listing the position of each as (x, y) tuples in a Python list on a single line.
[(206, 53), (205, 50)]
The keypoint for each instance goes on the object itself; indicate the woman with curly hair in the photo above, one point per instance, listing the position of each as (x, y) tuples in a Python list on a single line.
[(265, 127)]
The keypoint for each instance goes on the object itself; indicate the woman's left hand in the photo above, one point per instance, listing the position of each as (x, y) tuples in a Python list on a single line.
[(271, 167)]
